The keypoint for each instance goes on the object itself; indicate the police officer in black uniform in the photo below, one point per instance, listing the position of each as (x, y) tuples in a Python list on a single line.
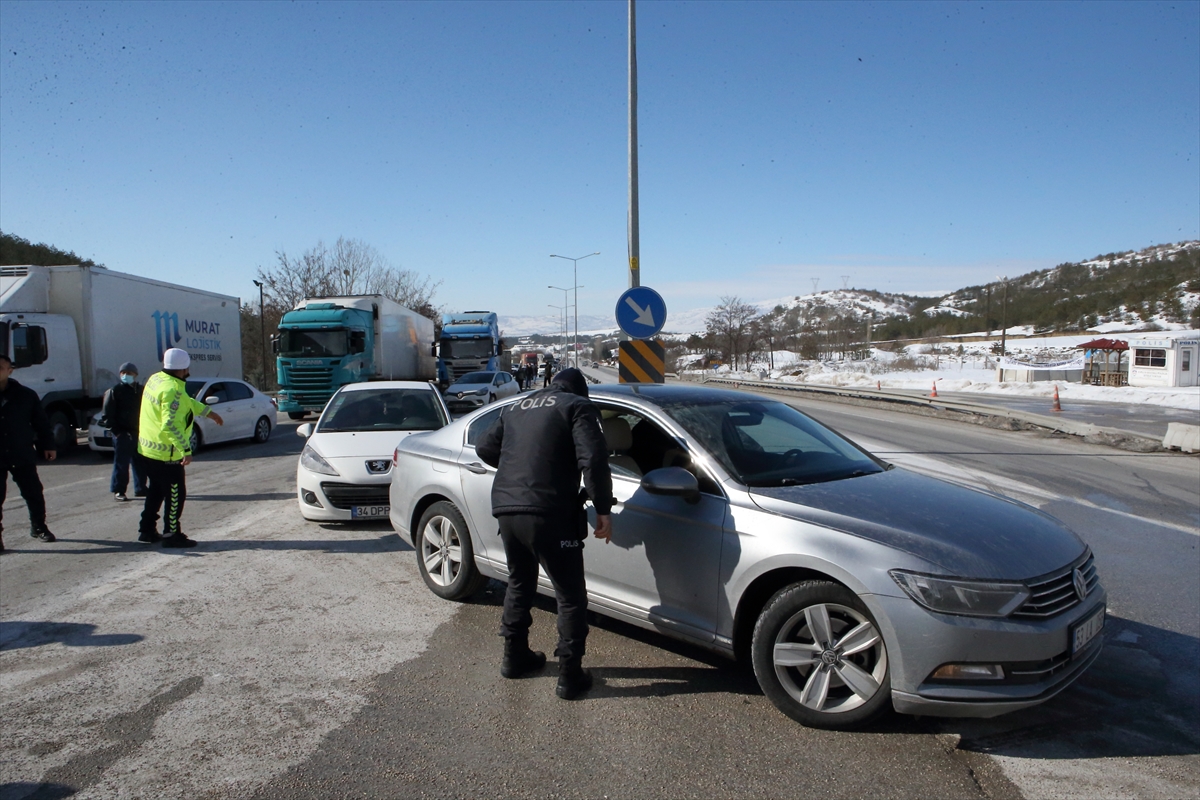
[(539, 447)]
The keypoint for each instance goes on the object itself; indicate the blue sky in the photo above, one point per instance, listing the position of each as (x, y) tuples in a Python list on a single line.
[(909, 146)]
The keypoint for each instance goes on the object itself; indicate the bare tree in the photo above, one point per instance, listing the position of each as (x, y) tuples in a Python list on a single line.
[(729, 325), (351, 267)]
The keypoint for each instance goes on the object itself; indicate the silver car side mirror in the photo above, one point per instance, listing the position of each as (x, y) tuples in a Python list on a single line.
[(305, 430), (674, 482)]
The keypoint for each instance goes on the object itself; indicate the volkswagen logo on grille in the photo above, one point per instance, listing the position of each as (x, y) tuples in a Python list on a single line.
[(1080, 583), (378, 466)]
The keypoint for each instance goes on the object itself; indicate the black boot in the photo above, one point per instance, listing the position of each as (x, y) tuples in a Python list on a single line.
[(573, 679), (40, 531), (519, 660)]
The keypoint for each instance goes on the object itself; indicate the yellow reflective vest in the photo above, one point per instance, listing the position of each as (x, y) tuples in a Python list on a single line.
[(165, 429)]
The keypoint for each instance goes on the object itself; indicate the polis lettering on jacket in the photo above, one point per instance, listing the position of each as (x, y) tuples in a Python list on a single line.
[(538, 402), (202, 327)]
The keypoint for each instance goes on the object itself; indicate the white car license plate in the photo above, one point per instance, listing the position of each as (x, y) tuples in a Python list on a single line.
[(1085, 630), (369, 512)]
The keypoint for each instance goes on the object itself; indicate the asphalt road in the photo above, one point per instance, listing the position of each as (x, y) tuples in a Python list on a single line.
[(288, 659)]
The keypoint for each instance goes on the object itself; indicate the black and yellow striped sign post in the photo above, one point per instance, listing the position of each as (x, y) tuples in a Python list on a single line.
[(642, 361)]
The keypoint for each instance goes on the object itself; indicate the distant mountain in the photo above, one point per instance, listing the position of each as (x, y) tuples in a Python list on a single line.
[(1154, 288)]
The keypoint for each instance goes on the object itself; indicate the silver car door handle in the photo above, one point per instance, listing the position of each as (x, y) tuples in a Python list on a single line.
[(476, 467)]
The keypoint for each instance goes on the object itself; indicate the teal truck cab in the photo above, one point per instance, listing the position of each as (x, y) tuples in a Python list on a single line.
[(328, 342), (470, 342)]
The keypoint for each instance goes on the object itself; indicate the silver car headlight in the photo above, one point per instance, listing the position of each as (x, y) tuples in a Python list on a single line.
[(958, 596), (311, 460)]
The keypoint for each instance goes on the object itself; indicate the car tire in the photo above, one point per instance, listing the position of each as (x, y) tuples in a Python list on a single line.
[(197, 439), (445, 556), (798, 651), (63, 432), (262, 430), (297, 414)]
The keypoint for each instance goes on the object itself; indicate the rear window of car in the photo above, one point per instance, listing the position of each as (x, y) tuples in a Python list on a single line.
[(383, 410)]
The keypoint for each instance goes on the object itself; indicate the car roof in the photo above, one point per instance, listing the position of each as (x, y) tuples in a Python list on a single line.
[(360, 387), (668, 393)]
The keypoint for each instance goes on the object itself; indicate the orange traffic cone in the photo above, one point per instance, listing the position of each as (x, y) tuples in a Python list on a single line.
[(934, 392), (1056, 406)]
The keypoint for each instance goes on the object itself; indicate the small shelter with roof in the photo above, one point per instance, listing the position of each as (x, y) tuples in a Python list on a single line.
[(1165, 360), (1102, 362)]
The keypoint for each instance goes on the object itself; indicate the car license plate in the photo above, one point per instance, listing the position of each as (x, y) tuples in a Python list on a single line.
[(1084, 631), (369, 512)]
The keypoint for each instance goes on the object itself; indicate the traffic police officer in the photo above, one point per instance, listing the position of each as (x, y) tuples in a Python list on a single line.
[(164, 442), (539, 447)]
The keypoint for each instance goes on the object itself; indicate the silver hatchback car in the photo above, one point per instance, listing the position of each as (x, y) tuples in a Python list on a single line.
[(747, 527)]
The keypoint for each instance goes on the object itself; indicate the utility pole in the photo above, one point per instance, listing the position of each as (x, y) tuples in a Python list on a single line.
[(635, 267), (1004, 320), (262, 325)]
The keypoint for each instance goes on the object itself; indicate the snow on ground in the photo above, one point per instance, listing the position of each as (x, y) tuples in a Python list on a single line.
[(974, 372)]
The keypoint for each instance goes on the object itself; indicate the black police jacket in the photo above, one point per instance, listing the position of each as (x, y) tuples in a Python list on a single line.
[(24, 426), (123, 407), (539, 447)]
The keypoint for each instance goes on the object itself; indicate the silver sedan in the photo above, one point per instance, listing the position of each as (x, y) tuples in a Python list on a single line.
[(746, 527)]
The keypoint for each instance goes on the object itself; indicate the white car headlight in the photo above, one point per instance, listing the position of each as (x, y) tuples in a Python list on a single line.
[(311, 460), (957, 596)]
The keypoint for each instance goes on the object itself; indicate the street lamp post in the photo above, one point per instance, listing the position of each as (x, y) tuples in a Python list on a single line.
[(575, 263), (262, 325), (562, 323)]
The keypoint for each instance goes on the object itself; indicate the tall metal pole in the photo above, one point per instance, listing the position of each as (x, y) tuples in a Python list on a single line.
[(575, 262), (262, 325), (635, 268), (1004, 320)]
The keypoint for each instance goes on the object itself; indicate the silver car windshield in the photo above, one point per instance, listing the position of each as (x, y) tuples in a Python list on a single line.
[(383, 410), (769, 443)]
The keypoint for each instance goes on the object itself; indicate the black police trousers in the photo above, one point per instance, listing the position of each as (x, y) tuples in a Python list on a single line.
[(166, 491), (553, 542), (26, 478)]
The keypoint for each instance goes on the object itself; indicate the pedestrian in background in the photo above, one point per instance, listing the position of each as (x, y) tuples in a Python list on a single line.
[(522, 377), (547, 373), (122, 409), (24, 430), (539, 447), (165, 444)]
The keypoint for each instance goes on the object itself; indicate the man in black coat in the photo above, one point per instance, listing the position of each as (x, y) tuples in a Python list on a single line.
[(122, 411), (539, 447), (23, 425)]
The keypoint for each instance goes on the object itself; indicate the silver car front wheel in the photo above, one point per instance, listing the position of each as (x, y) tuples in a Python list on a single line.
[(445, 557), (820, 658)]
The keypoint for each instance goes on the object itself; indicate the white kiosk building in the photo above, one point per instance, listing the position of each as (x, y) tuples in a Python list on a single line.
[(1165, 361)]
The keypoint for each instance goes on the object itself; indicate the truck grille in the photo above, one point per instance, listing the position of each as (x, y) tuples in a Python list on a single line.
[(310, 379), (458, 370), (1054, 595), (345, 495)]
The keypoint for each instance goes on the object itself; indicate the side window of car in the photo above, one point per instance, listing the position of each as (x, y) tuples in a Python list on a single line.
[(638, 445), (481, 423), (218, 391), (238, 391)]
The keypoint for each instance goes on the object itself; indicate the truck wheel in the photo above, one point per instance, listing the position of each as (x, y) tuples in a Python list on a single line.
[(297, 414), (64, 432)]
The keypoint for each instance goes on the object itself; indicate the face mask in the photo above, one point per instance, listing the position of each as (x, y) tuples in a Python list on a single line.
[(128, 378)]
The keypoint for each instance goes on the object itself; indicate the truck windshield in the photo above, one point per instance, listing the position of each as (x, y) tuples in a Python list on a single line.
[(293, 343), (467, 348)]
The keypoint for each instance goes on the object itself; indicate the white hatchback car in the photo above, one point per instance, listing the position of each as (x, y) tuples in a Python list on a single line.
[(246, 412), (345, 469)]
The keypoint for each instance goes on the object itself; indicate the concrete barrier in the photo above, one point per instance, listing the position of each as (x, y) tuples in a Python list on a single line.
[(1181, 436)]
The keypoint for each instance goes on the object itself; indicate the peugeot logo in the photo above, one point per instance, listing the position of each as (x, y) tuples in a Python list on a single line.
[(379, 466), (1080, 583)]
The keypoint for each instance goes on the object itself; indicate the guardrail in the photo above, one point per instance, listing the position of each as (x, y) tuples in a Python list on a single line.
[(919, 402)]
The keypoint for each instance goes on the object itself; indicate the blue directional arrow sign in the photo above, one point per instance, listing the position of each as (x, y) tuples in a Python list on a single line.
[(641, 312)]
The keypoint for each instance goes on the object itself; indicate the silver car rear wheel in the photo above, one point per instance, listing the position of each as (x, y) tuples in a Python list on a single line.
[(445, 557), (819, 656)]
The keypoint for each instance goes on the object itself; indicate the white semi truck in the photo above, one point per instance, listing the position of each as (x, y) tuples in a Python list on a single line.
[(68, 329)]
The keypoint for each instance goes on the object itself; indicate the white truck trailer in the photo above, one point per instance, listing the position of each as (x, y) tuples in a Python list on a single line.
[(68, 329)]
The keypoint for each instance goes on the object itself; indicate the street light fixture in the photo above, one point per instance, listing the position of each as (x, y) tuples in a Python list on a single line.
[(575, 262), (262, 325), (562, 323)]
